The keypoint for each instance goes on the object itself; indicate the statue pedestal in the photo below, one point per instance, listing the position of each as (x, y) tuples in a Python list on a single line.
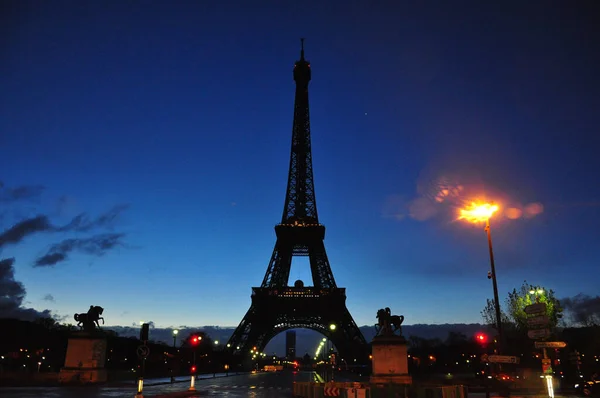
[(85, 359), (390, 360)]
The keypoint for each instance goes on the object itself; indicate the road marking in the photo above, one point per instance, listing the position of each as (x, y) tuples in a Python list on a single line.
[(249, 386)]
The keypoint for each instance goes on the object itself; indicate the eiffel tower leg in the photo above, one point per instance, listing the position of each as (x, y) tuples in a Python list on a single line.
[(348, 338)]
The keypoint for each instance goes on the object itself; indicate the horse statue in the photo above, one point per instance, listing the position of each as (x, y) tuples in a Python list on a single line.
[(388, 324), (89, 321)]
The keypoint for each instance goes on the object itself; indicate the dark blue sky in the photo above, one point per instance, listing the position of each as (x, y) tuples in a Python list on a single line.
[(183, 111)]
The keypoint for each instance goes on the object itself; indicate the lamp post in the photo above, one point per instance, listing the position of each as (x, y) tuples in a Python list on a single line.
[(175, 331), (477, 213), (332, 328)]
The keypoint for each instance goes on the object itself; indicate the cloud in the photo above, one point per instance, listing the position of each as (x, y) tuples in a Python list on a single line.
[(20, 230), (583, 309), (83, 223), (97, 245), (12, 293), (48, 297), (41, 223), (23, 192)]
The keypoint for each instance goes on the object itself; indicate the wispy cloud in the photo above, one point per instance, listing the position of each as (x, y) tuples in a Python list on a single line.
[(41, 223), (84, 223), (96, 245), (23, 192), (20, 230), (48, 297)]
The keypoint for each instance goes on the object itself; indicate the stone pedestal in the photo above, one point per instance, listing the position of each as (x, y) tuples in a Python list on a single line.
[(85, 359), (390, 360)]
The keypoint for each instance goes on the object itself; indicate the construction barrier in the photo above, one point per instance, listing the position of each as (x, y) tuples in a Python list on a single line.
[(367, 390)]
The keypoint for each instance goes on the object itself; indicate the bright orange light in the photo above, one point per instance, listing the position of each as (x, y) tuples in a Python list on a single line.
[(477, 212)]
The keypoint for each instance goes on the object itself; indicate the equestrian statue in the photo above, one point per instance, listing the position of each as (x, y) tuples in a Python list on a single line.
[(89, 321), (388, 324)]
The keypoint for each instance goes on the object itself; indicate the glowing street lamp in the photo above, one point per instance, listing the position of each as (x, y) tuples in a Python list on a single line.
[(175, 337), (477, 213)]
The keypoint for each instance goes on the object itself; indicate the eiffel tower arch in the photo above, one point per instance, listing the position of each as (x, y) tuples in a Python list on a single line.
[(276, 306)]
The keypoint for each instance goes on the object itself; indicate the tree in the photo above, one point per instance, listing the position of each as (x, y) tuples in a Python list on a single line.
[(489, 315), (47, 323), (529, 294), (517, 301), (203, 346)]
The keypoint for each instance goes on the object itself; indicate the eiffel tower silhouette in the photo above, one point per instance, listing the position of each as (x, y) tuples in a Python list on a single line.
[(277, 307)]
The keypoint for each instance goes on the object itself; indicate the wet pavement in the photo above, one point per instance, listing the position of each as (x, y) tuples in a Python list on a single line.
[(259, 385)]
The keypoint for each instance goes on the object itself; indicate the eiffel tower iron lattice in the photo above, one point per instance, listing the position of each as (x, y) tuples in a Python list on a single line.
[(277, 307)]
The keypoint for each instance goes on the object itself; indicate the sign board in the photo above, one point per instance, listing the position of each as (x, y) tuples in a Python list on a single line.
[(540, 320), (143, 351), (356, 392), (503, 359), (546, 369), (538, 334), (535, 308), (550, 344), (484, 358)]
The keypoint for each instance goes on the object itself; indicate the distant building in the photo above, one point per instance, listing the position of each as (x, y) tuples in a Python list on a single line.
[(290, 344)]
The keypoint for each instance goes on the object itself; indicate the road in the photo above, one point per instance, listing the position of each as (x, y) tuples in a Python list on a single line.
[(259, 385)]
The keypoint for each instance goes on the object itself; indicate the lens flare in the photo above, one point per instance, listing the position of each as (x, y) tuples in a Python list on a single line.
[(477, 212), (533, 209), (513, 213)]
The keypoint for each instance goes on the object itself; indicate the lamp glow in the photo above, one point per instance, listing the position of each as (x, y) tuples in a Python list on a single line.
[(477, 212)]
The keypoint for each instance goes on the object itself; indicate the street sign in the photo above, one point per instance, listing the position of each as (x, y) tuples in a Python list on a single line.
[(550, 344), (143, 351), (484, 358), (538, 334), (538, 320), (535, 308), (503, 359)]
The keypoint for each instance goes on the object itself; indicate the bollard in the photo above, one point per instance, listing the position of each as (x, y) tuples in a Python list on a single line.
[(140, 387)]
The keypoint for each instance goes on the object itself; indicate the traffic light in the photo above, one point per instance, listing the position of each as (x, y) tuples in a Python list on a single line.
[(144, 332), (481, 338), (194, 340), (193, 369)]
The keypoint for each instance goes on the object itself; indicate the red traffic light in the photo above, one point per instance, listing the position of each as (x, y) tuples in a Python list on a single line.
[(193, 369), (195, 339), (481, 338)]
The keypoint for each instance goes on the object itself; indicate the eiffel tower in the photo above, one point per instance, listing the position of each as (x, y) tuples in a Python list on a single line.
[(277, 307)]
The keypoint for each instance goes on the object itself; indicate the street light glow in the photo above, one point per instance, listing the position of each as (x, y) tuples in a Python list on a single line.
[(477, 212), (175, 332)]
